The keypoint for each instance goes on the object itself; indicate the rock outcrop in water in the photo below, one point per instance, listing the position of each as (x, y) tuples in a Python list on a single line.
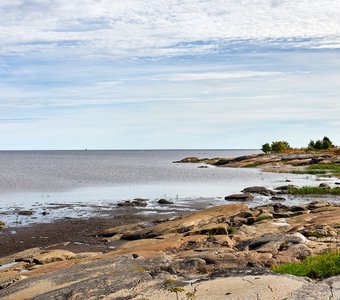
[(227, 250), (279, 162)]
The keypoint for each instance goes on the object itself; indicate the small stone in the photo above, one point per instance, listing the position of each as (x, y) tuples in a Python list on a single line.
[(25, 213), (277, 198), (324, 185)]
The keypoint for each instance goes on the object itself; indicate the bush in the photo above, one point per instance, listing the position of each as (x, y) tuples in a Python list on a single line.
[(280, 146), (316, 267)]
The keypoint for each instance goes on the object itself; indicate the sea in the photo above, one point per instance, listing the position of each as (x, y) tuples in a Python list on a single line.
[(85, 182)]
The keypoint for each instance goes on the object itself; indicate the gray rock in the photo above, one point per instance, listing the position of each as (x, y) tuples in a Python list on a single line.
[(277, 198), (164, 202), (286, 187), (324, 185), (134, 203), (25, 213), (258, 190), (239, 197), (275, 237)]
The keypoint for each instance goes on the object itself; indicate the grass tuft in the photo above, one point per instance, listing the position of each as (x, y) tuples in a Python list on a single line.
[(316, 267), (314, 190)]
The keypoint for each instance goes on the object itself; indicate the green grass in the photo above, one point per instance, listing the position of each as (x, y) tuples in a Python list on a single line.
[(252, 165), (321, 169), (262, 218), (314, 190), (316, 267)]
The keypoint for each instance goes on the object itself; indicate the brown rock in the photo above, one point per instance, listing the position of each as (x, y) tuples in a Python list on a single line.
[(189, 222), (53, 256), (2, 225), (25, 213)]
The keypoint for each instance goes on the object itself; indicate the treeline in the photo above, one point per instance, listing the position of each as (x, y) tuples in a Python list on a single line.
[(283, 146)]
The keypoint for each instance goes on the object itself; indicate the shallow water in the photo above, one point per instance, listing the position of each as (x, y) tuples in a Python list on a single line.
[(83, 183)]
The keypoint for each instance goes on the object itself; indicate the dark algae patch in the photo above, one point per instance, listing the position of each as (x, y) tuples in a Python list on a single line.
[(316, 267)]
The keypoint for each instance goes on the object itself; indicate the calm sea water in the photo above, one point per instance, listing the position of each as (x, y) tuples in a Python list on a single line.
[(83, 178)]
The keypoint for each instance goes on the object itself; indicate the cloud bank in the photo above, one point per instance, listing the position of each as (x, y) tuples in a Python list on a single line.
[(133, 28)]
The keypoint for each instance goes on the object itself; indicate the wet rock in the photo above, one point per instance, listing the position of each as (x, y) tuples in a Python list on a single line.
[(165, 202), (278, 198), (298, 208), (2, 225), (222, 162), (202, 167), (240, 197), (25, 213), (45, 213), (134, 203), (324, 185), (258, 190)]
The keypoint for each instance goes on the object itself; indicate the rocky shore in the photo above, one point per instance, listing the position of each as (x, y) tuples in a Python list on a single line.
[(222, 252), (278, 162)]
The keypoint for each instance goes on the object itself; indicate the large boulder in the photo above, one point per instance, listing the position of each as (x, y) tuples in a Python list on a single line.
[(240, 197), (134, 203), (259, 190)]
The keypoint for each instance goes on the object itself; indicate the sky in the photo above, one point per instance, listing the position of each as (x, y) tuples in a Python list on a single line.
[(168, 74)]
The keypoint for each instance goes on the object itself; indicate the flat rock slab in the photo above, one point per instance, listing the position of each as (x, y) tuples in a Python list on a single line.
[(264, 287)]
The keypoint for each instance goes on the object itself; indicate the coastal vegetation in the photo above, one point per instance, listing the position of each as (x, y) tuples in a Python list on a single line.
[(283, 146), (314, 190), (331, 169), (276, 147), (316, 267)]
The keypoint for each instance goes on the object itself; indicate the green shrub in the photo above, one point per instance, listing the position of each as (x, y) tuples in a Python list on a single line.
[(316, 267)]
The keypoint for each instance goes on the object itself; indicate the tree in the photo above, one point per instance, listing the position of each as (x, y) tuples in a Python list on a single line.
[(280, 146), (311, 145), (266, 148), (326, 143)]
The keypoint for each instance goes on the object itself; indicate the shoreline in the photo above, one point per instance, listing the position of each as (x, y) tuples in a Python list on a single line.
[(126, 254), (223, 243)]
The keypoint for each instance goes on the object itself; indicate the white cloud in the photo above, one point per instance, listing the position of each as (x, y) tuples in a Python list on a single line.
[(166, 27), (219, 75)]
